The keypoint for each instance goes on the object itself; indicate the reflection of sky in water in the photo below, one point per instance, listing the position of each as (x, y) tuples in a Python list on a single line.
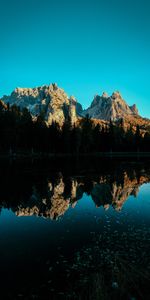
[(139, 207), (83, 213)]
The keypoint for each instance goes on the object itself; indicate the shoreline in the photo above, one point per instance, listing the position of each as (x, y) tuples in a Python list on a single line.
[(81, 155)]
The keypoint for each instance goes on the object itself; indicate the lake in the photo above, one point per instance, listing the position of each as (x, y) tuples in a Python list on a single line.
[(68, 231)]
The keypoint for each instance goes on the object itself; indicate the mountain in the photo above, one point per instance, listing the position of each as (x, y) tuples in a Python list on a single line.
[(49, 100), (55, 105), (111, 107)]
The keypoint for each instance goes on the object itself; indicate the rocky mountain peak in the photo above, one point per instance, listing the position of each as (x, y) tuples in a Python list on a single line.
[(50, 100), (134, 109), (110, 107), (105, 95), (55, 105), (116, 95)]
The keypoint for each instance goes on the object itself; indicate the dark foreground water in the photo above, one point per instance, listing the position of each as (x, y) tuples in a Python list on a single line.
[(71, 232)]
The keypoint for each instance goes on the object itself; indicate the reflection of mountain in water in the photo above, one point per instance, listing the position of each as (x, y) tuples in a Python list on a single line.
[(104, 193), (53, 197), (55, 203)]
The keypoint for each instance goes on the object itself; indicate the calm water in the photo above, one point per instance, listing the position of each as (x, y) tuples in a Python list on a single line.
[(75, 234)]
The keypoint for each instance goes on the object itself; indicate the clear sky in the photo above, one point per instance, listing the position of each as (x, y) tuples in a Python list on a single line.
[(85, 46)]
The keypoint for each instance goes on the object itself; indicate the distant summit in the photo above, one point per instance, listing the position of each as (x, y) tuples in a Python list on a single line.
[(50, 101), (111, 107)]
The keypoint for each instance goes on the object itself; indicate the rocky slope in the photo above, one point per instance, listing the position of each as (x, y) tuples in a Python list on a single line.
[(110, 107), (49, 100)]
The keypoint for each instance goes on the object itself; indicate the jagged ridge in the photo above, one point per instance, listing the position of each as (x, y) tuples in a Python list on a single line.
[(55, 105), (110, 107), (49, 100)]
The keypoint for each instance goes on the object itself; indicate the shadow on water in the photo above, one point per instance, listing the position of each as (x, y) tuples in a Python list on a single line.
[(75, 230)]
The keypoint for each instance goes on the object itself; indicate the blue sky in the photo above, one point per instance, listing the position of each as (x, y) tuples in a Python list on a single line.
[(86, 47)]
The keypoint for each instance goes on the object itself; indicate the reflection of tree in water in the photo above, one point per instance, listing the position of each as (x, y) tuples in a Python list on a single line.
[(50, 196)]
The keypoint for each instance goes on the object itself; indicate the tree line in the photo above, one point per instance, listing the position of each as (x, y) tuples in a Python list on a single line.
[(20, 132)]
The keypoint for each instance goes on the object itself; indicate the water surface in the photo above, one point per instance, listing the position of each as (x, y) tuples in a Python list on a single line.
[(70, 234)]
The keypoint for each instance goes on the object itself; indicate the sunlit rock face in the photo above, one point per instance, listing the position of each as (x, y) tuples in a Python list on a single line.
[(110, 107), (73, 110), (3, 106), (49, 100), (54, 105), (134, 109), (62, 195)]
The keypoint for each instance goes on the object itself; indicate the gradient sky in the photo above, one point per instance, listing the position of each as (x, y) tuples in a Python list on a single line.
[(86, 47)]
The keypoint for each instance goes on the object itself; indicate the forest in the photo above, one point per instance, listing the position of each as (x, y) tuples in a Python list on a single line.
[(19, 132)]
